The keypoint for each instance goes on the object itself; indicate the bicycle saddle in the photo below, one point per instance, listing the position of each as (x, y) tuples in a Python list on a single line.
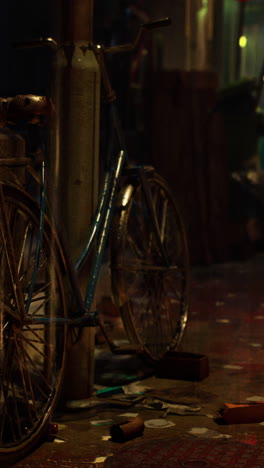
[(29, 107)]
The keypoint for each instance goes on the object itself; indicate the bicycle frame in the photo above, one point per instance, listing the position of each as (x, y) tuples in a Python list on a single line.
[(99, 229), (97, 233), (101, 223)]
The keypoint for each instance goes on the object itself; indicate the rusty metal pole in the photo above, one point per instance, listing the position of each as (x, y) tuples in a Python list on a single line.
[(75, 167)]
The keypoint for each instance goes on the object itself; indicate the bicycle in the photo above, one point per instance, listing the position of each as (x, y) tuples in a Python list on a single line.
[(149, 268)]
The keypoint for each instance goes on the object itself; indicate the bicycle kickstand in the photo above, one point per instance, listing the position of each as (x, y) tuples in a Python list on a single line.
[(115, 349)]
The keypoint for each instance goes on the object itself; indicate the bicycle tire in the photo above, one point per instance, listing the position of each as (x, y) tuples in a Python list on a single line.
[(152, 296), (32, 356)]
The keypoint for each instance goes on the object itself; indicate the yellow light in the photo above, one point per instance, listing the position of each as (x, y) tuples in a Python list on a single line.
[(242, 41)]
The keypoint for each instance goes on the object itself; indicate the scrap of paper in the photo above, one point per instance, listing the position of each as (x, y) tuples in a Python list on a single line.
[(206, 433), (81, 404), (134, 388), (158, 423), (61, 427), (105, 438), (171, 407), (57, 440), (232, 367), (100, 459), (101, 422), (255, 398)]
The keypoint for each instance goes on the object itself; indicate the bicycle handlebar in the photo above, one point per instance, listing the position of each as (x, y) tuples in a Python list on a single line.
[(51, 43), (142, 28), (100, 50), (40, 42), (157, 23)]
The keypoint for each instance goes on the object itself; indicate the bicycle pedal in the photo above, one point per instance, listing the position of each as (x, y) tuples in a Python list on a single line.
[(128, 349)]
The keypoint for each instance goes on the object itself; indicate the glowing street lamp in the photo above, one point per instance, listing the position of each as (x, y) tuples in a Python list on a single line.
[(242, 42)]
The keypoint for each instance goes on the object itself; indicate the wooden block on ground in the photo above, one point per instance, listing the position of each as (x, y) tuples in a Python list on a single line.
[(183, 366), (239, 414)]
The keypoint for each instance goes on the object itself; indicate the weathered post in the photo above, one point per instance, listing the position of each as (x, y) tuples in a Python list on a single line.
[(75, 166)]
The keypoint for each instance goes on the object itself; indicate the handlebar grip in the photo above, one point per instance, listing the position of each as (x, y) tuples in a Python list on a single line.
[(40, 42), (157, 23)]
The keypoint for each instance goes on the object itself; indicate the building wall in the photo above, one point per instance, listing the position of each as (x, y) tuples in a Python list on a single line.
[(194, 41)]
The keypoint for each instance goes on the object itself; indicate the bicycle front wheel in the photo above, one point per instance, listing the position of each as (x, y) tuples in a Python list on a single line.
[(150, 275), (32, 354)]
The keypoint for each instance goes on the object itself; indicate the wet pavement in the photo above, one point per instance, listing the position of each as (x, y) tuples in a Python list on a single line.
[(226, 325)]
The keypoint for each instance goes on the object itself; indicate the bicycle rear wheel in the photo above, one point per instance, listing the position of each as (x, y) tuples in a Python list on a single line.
[(152, 292), (32, 355)]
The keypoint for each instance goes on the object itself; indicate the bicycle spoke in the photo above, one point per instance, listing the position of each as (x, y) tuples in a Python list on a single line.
[(23, 247), (164, 220), (28, 379), (43, 302), (8, 391), (42, 377), (26, 240), (9, 311), (149, 266), (9, 250), (23, 375), (17, 419), (35, 348), (7, 364), (31, 355), (28, 269)]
